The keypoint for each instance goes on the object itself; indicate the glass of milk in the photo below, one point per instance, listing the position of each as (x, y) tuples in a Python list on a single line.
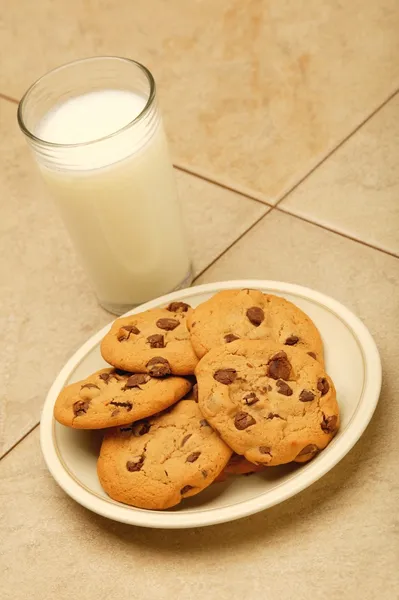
[(97, 136)]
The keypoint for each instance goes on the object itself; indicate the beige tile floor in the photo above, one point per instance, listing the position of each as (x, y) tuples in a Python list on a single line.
[(284, 102)]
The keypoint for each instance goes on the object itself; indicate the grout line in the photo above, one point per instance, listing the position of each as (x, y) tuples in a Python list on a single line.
[(19, 441), (252, 194), (8, 98), (335, 148), (340, 233), (309, 221), (233, 243), (230, 188)]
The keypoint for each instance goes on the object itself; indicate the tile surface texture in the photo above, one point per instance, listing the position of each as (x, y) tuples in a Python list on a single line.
[(47, 308), (356, 191), (254, 93)]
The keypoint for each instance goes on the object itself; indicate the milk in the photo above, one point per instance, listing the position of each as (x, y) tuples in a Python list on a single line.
[(117, 195)]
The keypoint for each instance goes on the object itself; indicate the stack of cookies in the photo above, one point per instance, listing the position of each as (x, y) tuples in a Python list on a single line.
[(235, 385)]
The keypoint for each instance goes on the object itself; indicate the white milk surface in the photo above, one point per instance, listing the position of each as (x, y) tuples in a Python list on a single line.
[(117, 197), (91, 116)]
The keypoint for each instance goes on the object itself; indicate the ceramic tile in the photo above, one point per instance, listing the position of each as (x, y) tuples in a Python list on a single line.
[(356, 190), (47, 308), (254, 93)]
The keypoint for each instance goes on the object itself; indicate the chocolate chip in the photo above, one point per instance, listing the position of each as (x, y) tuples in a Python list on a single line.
[(140, 429), (131, 329), (193, 324), (126, 331), (243, 420), (167, 324), (329, 424), (291, 340), (264, 449), (204, 473), (255, 315), (137, 380), (178, 307), (312, 354), (225, 376), (127, 405), (158, 367), (186, 437), (156, 341), (279, 366), (105, 377), (273, 416), (186, 489), (80, 407), (230, 337), (133, 466), (250, 399), (306, 396), (166, 473), (323, 386), (310, 449), (89, 386), (195, 392), (204, 423), (193, 457), (283, 388)]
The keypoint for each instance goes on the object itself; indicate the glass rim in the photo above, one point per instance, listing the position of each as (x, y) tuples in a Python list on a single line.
[(143, 112)]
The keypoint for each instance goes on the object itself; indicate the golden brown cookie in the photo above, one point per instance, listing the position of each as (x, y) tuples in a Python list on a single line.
[(156, 342), (238, 465), (158, 462), (111, 397), (272, 404), (235, 314)]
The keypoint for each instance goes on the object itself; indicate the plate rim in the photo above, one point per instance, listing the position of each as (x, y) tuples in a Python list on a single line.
[(309, 474)]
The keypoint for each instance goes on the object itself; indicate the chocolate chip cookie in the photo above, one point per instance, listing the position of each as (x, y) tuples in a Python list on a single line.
[(158, 462), (271, 403), (156, 342), (111, 397), (235, 314)]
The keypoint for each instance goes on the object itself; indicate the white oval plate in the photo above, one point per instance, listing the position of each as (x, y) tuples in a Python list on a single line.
[(352, 360)]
